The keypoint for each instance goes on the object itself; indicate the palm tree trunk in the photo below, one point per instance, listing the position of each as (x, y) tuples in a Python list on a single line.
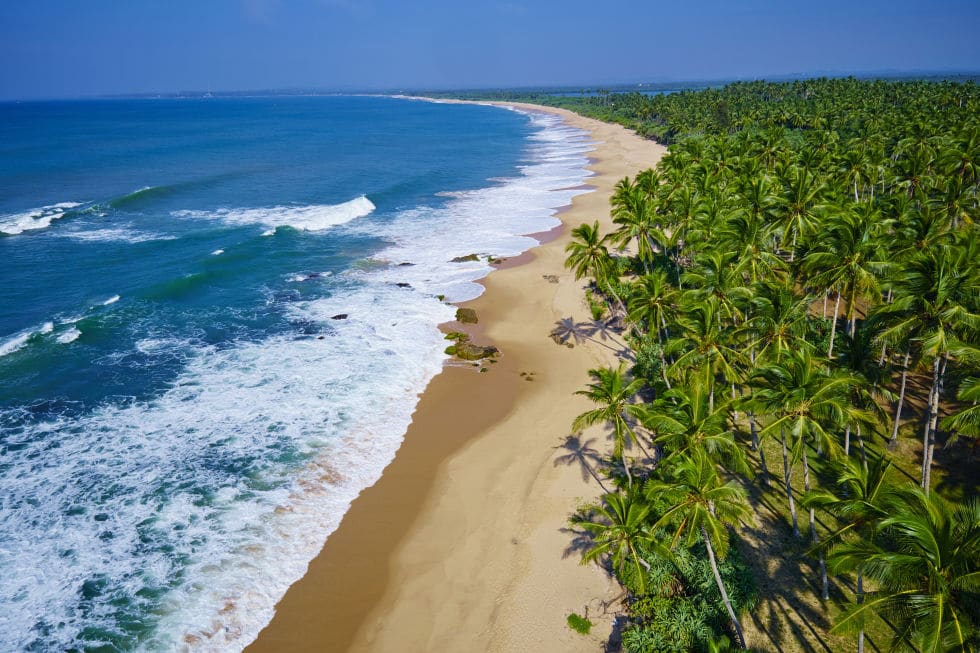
[(626, 468), (860, 600), (847, 440), (740, 638), (851, 313), (933, 391), (901, 399), (933, 423), (823, 313), (864, 453), (833, 328), (756, 446), (787, 470), (824, 583)]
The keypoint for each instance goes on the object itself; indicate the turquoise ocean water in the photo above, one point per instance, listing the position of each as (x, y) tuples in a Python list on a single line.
[(182, 421)]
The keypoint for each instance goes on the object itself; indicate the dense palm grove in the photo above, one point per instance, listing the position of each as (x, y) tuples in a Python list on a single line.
[(798, 288)]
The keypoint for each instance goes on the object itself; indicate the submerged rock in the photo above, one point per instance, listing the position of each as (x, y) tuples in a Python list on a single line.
[(465, 259), (339, 316)]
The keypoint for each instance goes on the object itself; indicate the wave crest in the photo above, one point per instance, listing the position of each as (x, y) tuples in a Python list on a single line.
[(316, 217), (18, 223)]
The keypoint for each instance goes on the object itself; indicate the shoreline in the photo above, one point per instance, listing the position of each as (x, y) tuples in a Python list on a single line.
[(459, 545)]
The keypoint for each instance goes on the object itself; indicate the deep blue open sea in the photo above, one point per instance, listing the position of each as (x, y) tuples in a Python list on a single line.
[(182, 421)]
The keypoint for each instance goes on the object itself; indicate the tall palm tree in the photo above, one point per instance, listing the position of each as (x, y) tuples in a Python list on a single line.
[(848, 257), (936, 312), (858, 501), (619, 530), (808, 402), (588, 256), (926, 563), (683, 419), (704, 342), (634, 211), (614, 393), (702, 507)]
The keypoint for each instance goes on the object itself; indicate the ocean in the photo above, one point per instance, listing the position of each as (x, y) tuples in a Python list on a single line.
[(216, 317)]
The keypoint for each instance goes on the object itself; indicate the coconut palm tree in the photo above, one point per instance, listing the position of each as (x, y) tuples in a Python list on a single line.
[(683, 419), (619, 531), (702, 507), (588, 256), (858, 501), (808, 402), (936, 312), (848, 258), (926, 564), (614, 393), (705, 341)]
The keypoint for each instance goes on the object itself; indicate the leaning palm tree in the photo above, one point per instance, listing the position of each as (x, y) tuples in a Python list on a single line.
[(614, 393), (702, 507), (588, 256), (619, 531), (926, 563)]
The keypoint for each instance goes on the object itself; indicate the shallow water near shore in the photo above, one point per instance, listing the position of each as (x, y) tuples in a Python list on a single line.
[(183, 421)]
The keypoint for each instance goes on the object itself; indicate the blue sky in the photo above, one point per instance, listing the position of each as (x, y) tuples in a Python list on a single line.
[(68, 48)]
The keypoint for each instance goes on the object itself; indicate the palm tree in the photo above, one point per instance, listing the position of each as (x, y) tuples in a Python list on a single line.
[(805, 400), (633, 210), (702, 507), (613, 393), (801, 192), (619, 530), (967, 420), (848, 258), (683, 419), (859, 503), (926, 563), (588, 256), (935, 310), (704, 342)]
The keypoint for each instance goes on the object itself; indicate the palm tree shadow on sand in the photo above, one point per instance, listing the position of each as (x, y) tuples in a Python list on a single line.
[(580, 452), (596, 331)]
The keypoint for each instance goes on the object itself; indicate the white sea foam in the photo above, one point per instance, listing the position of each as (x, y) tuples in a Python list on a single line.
[(20, 340), (153, 475), (317, 217), (145, 494), (217, 252), (71, 335), (33, 219), (116, 234), (111, 300), (490, 220)]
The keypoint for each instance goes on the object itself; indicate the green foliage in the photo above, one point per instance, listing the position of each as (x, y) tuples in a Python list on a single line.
[(683, 611), (579, 624), (597, 307), (776, 203)]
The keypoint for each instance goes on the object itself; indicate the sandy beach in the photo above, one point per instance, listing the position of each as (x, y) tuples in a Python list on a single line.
[(460, 546)]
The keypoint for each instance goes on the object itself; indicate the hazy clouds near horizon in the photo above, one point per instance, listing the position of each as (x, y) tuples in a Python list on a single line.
[(63, 48)]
